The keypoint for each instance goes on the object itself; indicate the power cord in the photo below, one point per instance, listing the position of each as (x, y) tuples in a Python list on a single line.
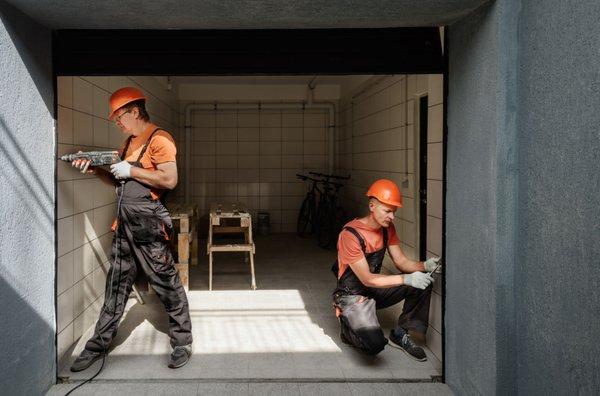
[(117, 258)]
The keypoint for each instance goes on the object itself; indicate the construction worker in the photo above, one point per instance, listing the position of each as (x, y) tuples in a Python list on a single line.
[(361, 289), (142, 229)]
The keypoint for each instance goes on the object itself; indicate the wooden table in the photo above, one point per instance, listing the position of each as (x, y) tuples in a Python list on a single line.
[(185, 225), (228, 218)]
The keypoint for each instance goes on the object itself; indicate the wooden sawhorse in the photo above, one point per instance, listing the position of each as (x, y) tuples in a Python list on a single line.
[(228, 218)]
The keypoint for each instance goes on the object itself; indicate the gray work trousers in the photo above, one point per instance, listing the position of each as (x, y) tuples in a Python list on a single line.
[(358, 319), (140, 244)]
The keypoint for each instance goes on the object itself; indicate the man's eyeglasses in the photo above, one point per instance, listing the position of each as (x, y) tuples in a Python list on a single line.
[(118, 118)]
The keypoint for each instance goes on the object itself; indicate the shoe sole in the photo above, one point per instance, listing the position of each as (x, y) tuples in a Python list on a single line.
[(392, 343), (179, 365), (88, 366)]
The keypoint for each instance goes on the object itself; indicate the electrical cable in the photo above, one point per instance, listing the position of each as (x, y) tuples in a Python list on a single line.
[(119, 259)]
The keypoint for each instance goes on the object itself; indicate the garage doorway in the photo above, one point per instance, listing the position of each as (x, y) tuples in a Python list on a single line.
[(247, 333)]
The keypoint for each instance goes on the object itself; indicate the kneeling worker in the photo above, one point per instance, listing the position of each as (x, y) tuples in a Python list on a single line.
[(361, 289), (142, 229)]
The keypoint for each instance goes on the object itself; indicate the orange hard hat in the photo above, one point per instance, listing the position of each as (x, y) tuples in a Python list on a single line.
[(123, 96), (386, 191)]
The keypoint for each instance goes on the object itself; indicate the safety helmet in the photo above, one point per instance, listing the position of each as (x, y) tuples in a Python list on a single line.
[(386, 191), (123, 96)]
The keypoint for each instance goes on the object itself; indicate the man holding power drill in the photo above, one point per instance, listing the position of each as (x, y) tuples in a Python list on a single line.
[(142, 228), (361, 289)]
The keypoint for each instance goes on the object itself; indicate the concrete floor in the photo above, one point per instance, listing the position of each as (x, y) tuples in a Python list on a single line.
[(285, 331)]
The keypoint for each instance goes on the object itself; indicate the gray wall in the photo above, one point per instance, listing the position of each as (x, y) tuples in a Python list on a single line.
[(522, 201), (27, 213), (558, 250)]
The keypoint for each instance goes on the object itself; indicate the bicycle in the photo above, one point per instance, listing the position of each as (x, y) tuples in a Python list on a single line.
[(330, 215), (307, 216)]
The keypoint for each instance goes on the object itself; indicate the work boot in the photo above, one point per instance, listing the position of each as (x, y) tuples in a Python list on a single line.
[(180, 356), (85, 359), (404, 342), (419, 338)]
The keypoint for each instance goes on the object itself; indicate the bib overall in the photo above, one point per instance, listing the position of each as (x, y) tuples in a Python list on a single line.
[(357, 303), (140, 242)]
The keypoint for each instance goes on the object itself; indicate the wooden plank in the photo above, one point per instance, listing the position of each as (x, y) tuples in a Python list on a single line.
[(184, 275), (183, 247), (184, 225), (232, 248), (229, 230)]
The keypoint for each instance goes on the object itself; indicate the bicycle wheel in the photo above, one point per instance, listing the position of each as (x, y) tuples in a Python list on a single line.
[(303, 224), (326, 226)]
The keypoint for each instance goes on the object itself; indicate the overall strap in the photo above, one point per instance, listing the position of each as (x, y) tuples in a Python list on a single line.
[(359, 237), (385, 237), (146, 145), (124, 154)]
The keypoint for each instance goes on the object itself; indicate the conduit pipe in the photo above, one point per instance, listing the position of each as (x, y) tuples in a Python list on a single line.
[(193, 107)]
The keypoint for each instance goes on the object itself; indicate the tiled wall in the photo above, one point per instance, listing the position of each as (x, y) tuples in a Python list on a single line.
[(253, 157), (86, 206), (376, 139)]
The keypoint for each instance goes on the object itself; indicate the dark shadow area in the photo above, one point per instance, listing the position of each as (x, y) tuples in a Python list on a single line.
[(25, 369)]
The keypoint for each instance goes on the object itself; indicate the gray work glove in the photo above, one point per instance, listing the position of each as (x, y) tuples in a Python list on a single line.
[(431, 263), (418, 279)]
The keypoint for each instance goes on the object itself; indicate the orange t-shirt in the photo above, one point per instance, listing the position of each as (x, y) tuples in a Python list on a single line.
[(160, 149), (348, 246)]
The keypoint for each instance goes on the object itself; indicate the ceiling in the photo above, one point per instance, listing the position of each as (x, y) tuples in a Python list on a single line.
[(243, 14)]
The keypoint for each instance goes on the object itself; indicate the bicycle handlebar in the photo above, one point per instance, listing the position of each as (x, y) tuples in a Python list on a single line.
[(305, 178), (330, 176)]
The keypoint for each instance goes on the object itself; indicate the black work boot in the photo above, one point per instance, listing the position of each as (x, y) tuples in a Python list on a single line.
[(405, 343), (180, 356), (85, 359)]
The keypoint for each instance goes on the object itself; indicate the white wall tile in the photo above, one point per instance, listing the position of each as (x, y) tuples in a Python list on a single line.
[(292, 147), (65, 91), (434, 235), (270, 134), (248, 119), (248, 162), (65, 273), (84, 262), (270, 148), (226, 119), (64, 308), (435, 123), (291, 119), (82, 95), (83, 133), (270, 120), (100, 102), (83, 195), (292, 133), (64, 340), (435, 89), (434, 198), (226, 134), (65, 235), (227, 161), (65, 198), (65, 125), (100, 132), (246, 134), (270, 161), (435, 161), (270, 175)]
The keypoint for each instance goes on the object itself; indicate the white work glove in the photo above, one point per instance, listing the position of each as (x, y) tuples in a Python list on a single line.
[(121, 170), (431, 263), (418, 279)]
